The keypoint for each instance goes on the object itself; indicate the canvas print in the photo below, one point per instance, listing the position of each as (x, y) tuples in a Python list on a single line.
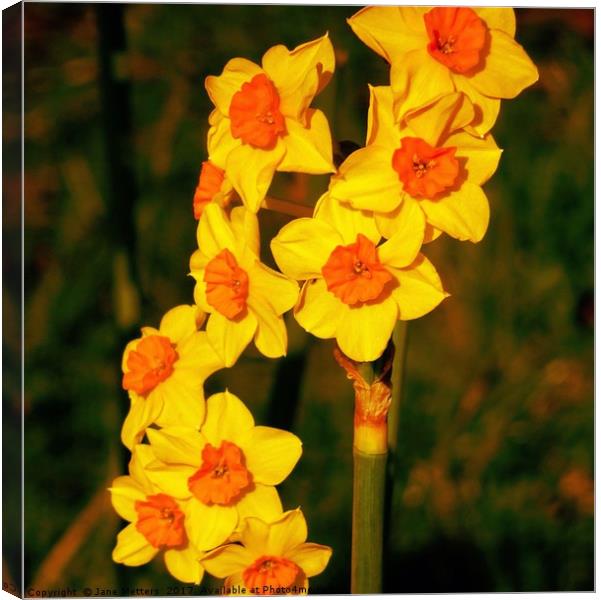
[(307, 298)]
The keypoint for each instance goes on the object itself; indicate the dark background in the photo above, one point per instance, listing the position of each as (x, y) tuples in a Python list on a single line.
[(496, 436)]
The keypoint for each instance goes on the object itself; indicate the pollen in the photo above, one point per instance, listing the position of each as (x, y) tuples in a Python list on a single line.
[(227, 285), (270, 572), (161, 521)]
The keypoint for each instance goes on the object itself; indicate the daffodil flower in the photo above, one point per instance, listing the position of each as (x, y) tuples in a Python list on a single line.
[(426, 160), (226, 471), (262, 122), (356, 290), (156, 523), (436, 51), (164, 372), (212, 186), (244, 297), (274, 558)]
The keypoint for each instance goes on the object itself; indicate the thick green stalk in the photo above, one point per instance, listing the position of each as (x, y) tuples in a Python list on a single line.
[(399, 339)]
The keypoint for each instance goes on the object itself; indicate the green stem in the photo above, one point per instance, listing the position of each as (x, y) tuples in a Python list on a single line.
[(399, 339), (369, 476)]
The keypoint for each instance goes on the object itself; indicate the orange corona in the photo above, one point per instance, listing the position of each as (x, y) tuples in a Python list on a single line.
[(150, 363), (268, 573), (161, 521), (227, 285), (209, 183)]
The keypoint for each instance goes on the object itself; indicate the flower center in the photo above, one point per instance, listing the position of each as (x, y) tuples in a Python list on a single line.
[(268, 573), (209, 183), (222, 476), (354, 273), (149, 364), (255, 113), (425, 171), (161, 521), (227, 284), (457, 37)]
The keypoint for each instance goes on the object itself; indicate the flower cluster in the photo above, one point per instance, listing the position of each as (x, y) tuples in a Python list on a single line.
[(201, 484)]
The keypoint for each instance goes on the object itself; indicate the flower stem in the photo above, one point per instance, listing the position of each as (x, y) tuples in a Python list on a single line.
[(399, 339)]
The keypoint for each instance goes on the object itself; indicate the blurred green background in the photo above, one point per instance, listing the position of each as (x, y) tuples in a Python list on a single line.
[(495, 463)]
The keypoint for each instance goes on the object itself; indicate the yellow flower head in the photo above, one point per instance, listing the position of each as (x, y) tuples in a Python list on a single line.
[(164, 371), (156, 523), (356, 290), (226, 471), (246, 299), (429, 160), (213, 186), (263, 122), (274, 558), (436, 51)]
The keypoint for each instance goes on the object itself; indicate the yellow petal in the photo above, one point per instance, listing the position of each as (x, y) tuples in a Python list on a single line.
[(486, 109), (230, 337), (271, 337), (142, 456), (130, 346), (245, 226), (481, 155), (227, 419), (303, 246), (420, 289), (227, 560), (214, 232), (177, 445), (236, 586), (142, 413), (171, 479), (347, 221), (274, 289), (418, 80), (311, 558), (318, 311), (200, 291), (287, 532), (251, 170), (209, 526), (381, 127), (262, 502), (271, 454), (497, 18), (221, 89), (185, 564), (197, 359), (254, 534), (308, 148), (124, 493), (179, 322), (132, 548), (365, 330), (299, 74), (367, 180), (431, 234), (402, 248), (183, 402), (463, 214), (507, 69), (220, 141), (391, 31)]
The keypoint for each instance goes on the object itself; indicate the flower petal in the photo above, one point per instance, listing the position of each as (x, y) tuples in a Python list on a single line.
[(220, 141), (209, 526), (420, 289), (171, 479), (381, 127), (197, 359), (124, 493), (487, 109), (221, 89), (463, 214), (227, 560), (507, 69), (262, 502), (230, 337), (367, 180), (255, 533), (481, 155), (311, 558), (271, 337), (318, 310), (183, 402), (177, 445), (185, 564), (142, 455), (275, 289), (303, 246), (271, 454), (287, 532), (227, 419), (308, 148), (497, 18), (132, 548), (179, 322), (142, 413), (251, 170), (245, 226), (402, 248), (366, 329)]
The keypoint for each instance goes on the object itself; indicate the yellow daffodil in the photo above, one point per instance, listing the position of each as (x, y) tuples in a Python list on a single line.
[(156, 523), (246, 299), (164, 371), (274, 558), (262, 122), (426, 160), (213, 186), (436, 51), (226, 471), (356, 290)]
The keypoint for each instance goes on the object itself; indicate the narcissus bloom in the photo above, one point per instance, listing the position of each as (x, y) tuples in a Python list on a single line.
[(246, 299), (263, 122), (212, 186), (156, 523), (427, 160), (164, 372), (274, 558), (226, 472), (436, 51), (356, 290)]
